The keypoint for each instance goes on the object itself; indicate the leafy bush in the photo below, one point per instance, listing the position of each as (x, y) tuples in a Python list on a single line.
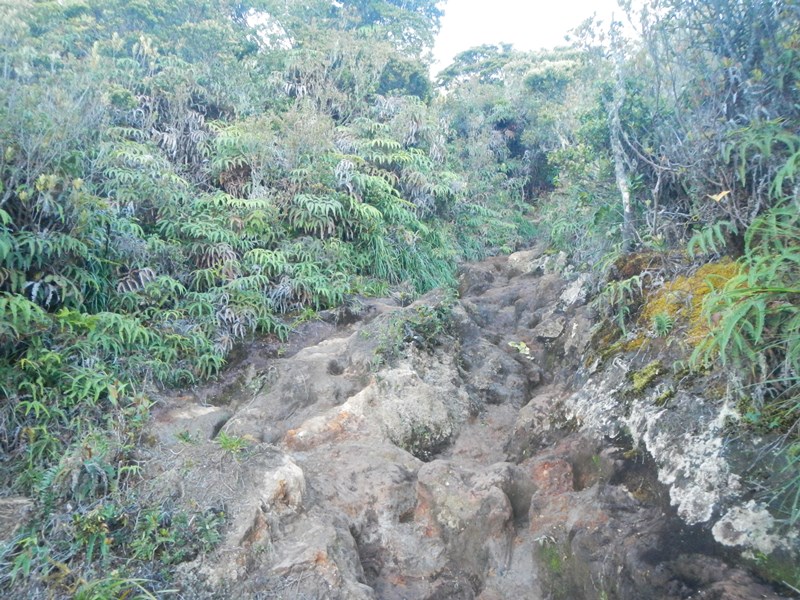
[(172, 184)]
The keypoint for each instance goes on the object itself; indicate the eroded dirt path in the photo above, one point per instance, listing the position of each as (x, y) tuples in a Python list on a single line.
[(453, 467)]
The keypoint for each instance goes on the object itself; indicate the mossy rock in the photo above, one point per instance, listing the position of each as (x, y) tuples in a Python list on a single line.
[(607, 341), (664, 397), (681, 300), (643, 378), (425, 441), (552, 557), (635, 263), (779, 568)]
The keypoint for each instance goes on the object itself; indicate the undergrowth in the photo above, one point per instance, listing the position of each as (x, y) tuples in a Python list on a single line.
[(160, 205), (172, 184), (755, 332), (742, 316), (421, 326)]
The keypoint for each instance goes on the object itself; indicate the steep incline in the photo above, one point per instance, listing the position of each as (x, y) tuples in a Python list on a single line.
[(431, 451)]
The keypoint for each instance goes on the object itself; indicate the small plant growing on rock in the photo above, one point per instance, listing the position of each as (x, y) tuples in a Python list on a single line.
[(175, 538), (186, 437), (113, 586), (232, 444), (618, 297), (522, 348), (421, 327), (662, 324)]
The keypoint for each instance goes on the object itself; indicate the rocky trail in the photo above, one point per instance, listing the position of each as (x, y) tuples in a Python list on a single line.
[(456, 448)]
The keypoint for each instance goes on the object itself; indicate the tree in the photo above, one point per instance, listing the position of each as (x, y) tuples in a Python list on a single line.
[(484, 63), (724, 79), (411, 24), (620, 158)]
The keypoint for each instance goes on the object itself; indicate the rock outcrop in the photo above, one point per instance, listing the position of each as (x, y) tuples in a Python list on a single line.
[(387, 463)]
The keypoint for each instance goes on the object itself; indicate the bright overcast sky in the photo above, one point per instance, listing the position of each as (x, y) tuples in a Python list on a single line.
[(527, 24)]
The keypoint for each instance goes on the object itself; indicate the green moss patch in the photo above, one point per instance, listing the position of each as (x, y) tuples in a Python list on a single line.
[(643, 378)]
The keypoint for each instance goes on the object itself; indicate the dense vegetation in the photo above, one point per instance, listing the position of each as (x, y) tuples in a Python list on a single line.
[(179, 175)]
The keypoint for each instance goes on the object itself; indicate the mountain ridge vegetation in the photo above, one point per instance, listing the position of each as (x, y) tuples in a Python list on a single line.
[(177, 176)]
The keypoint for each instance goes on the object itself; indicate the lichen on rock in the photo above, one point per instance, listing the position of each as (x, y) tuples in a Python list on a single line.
[(750, 525)]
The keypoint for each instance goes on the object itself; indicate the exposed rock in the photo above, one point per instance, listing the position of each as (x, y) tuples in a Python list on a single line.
[(284, 487), (184, 420), (750, 526), (533, 262), (536, 427), (523, 261), (321, 560), (471, 514), (575, 293), (579, 333), (417, 416), (462, 468), (550, 328), (474, 281), (693, 458), (496, 376), (725, 583)]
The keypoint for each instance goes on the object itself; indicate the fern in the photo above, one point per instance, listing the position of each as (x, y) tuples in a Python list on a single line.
[(317, 215), (711, 239), (363, 218), (252, 283), (199, 306), (203, 280), (19, 318), (135, 280), (209, 365), (272, 263), (757, 314), (618, 296), (759, 143), (662, 324), (85, 386)]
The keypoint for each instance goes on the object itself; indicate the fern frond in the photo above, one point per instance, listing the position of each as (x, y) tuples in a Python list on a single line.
[(711, 239)]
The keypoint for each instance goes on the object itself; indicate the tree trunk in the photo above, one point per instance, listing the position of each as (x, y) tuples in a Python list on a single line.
[(622, 176), (620, 159)]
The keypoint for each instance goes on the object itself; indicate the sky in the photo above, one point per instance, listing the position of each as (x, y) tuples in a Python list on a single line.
[(527, 24)]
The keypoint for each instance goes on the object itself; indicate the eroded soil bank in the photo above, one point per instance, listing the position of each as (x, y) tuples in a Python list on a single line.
[(468, 447)]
